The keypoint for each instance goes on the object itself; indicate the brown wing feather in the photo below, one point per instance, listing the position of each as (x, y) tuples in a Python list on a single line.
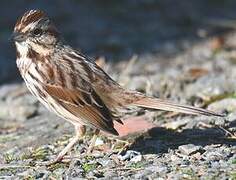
[(93, 115), (87, 106)]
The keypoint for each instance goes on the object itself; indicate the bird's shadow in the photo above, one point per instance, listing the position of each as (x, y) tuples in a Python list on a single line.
[(160, 140)]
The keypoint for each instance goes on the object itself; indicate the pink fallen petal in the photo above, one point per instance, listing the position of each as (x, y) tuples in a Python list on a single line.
[(133, 125)]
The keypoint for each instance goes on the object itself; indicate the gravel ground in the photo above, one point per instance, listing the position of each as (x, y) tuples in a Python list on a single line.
[(179, 146), (178, 59)]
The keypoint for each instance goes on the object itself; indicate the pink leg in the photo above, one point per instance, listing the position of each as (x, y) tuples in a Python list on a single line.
[(93, 140), (79, 132)]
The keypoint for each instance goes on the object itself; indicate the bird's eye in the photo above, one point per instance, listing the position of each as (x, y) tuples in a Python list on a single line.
[(37, 32)]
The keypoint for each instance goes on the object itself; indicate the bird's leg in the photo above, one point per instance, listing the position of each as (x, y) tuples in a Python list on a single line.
[(79, 132), (93, 140)]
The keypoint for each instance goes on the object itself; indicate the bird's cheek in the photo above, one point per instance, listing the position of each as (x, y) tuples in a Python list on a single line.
[(41, 49), (49, 40), (22, 48)]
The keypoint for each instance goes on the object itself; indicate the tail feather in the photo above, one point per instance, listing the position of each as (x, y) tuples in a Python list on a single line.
[(155, 103)]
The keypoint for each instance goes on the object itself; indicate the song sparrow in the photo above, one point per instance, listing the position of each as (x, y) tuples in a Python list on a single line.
[(71, 84)]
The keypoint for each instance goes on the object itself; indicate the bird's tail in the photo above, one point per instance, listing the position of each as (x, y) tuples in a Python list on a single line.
[(155, 103)]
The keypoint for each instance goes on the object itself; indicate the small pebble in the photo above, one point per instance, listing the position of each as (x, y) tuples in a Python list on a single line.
[(189, 149), (129, 155), (213, 156), (99, 142), (136, 159)]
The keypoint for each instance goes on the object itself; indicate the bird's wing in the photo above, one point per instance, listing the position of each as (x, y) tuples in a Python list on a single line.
[(77, 95)]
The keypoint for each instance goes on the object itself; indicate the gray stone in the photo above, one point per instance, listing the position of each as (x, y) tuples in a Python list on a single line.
[(228, 104), (189, 149), (129, 155)]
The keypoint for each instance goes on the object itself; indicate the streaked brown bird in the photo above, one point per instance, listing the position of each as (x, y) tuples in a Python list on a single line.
[(71, 84)]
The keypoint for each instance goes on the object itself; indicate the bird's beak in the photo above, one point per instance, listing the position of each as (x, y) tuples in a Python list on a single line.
[(17, 37)]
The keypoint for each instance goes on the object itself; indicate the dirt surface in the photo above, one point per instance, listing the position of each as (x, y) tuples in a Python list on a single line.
[(193, 64)]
